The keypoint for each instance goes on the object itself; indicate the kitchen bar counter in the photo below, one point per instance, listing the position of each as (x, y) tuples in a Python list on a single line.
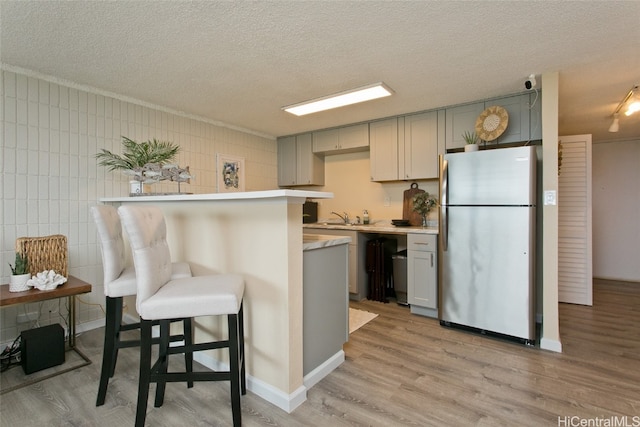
[(238, 196), (382, 227), (318, 241), (259, 235)]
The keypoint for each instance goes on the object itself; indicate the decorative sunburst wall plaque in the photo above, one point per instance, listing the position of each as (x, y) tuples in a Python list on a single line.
[(492, 123)]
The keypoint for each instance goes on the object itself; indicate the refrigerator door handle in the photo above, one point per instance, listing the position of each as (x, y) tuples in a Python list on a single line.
[(444, 196)]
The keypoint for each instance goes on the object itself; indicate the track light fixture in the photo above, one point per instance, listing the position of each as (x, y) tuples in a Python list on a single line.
[(615, 126), (632, 101)]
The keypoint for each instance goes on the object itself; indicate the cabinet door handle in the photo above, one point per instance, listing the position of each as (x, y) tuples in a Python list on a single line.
[(431, 259)]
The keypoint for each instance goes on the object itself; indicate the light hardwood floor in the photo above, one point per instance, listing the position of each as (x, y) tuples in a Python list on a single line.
[(400, 370)]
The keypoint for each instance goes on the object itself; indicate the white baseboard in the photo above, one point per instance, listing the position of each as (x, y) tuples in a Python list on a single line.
[(551, 345), (89, 326), (314, 377), (284, 401)]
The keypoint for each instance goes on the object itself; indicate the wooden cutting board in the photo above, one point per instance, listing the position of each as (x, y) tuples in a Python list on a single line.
[(407, 205)]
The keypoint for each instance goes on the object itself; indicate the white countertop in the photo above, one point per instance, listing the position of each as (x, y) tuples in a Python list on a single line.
[(243, 195), (317, 241), (378, 227)]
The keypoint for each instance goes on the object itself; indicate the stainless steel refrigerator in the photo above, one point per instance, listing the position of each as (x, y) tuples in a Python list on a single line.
[(487, 241)]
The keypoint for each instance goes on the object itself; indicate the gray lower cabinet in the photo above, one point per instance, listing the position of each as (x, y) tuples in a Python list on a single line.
[(422, 277), (297, 163), (325, 307), (357, 262)]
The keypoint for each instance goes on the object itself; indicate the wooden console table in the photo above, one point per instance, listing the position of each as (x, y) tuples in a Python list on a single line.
[(70, 289)]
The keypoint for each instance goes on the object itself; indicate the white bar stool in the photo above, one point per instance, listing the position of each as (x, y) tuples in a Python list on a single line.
[(161, 298), (119, 282)]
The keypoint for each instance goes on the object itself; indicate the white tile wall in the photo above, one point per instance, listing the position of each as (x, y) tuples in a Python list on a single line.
[(50, 134)]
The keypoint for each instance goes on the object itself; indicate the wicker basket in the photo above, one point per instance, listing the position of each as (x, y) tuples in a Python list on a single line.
[(44, 253)]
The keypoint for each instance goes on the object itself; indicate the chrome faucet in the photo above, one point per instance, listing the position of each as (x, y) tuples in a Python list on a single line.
[(345, 218)]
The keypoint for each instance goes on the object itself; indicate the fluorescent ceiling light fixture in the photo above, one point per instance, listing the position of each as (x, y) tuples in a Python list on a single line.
[(353, 96)]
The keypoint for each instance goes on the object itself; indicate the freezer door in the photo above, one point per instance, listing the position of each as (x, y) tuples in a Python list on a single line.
[(492, 177), (486, 276)]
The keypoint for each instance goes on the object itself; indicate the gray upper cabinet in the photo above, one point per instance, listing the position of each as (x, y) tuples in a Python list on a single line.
[(383, 146), (524, 119), (342, 140), (459, 120), (287, 161), (518, 109), (535, 116), (325, 141), (423, 141), (407, 147), (297, 163)]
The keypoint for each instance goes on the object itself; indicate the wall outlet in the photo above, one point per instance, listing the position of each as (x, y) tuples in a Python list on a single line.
[(387, 201), (27, 317), (550, 198)]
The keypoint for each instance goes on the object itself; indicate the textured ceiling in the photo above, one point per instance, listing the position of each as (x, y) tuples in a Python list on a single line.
[(240, 62)]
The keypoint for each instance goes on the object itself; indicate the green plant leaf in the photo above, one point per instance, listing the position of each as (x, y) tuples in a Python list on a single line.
[(137, 154), (470, 137)]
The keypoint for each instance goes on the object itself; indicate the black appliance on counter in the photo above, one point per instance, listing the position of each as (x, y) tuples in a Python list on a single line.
[(309, 212)]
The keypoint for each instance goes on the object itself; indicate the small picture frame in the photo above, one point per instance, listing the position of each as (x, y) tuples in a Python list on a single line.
[(229, 173)]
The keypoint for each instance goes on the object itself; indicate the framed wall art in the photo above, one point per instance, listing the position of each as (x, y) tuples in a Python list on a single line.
[(229, 173)]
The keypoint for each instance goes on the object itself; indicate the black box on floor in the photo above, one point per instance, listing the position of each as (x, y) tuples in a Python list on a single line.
[(42, 348)]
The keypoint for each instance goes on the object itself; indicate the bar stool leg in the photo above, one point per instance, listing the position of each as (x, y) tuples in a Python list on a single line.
[(117, 323), (145, 372), (188, 341), (243, 381), (110, 348), (234, 369), (163, 358)]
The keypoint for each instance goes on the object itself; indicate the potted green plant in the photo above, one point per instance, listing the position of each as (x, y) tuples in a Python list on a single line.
[(471, 141), (422, 203), (19, 274), (135, 155)]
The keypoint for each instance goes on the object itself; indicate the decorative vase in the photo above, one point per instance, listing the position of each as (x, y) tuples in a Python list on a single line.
[(424, 220), (136, 187), (471, 147), (18, 282)]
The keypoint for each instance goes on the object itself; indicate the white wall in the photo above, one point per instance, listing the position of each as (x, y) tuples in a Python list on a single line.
[(550, 335), (616, 210), (51, 131)]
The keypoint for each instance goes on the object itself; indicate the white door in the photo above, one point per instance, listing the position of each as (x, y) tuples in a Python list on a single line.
[(575, 277)]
